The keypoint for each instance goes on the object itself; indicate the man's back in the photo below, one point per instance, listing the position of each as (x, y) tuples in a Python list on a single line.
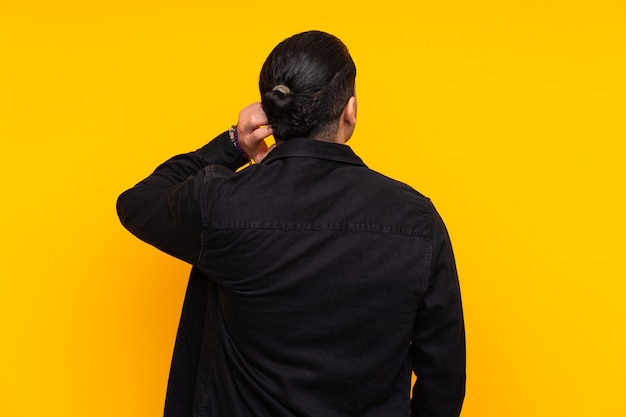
[(320, 265)]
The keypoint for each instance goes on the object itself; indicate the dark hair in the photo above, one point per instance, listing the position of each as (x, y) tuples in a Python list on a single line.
[(318, 73)]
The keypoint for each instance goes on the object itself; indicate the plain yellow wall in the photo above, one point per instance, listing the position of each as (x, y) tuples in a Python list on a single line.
[(510, 115)]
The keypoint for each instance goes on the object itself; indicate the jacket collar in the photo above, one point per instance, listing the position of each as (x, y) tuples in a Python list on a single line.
[(311, 148)]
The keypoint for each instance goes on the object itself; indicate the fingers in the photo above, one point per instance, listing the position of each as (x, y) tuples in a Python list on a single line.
[(252, 124), (252, 129), (261, 133), (251, 118)]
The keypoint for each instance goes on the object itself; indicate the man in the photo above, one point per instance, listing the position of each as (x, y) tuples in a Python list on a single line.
[(317, 284)]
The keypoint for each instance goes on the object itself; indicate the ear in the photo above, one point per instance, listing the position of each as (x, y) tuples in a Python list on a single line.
[(347, 121), (349, 112)]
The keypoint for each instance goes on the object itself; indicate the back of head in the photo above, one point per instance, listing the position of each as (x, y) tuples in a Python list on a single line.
[(305, 83)]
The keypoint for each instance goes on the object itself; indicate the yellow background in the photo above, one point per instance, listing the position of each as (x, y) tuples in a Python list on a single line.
[(510, 115)]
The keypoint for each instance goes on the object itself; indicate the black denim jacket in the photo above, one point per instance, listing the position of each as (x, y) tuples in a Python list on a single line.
[(317, 285)]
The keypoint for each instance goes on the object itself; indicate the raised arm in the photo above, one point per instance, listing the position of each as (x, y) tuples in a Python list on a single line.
[(164, 209)]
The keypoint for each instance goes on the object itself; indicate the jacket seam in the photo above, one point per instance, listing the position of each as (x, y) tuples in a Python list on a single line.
[(305, 226)]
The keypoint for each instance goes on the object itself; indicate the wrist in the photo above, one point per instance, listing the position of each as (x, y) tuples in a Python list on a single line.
[(234, 138)]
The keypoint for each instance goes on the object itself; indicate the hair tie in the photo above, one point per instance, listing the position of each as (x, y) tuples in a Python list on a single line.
[(282, 88)]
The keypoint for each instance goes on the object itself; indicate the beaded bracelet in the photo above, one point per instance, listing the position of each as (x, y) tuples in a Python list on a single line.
[(232, 133)]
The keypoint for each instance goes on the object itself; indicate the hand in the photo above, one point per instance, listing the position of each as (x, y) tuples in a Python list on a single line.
[(252, 129)]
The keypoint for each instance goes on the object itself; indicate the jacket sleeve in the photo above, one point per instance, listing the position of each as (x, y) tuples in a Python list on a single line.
[(438, 342), (165, 209)]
